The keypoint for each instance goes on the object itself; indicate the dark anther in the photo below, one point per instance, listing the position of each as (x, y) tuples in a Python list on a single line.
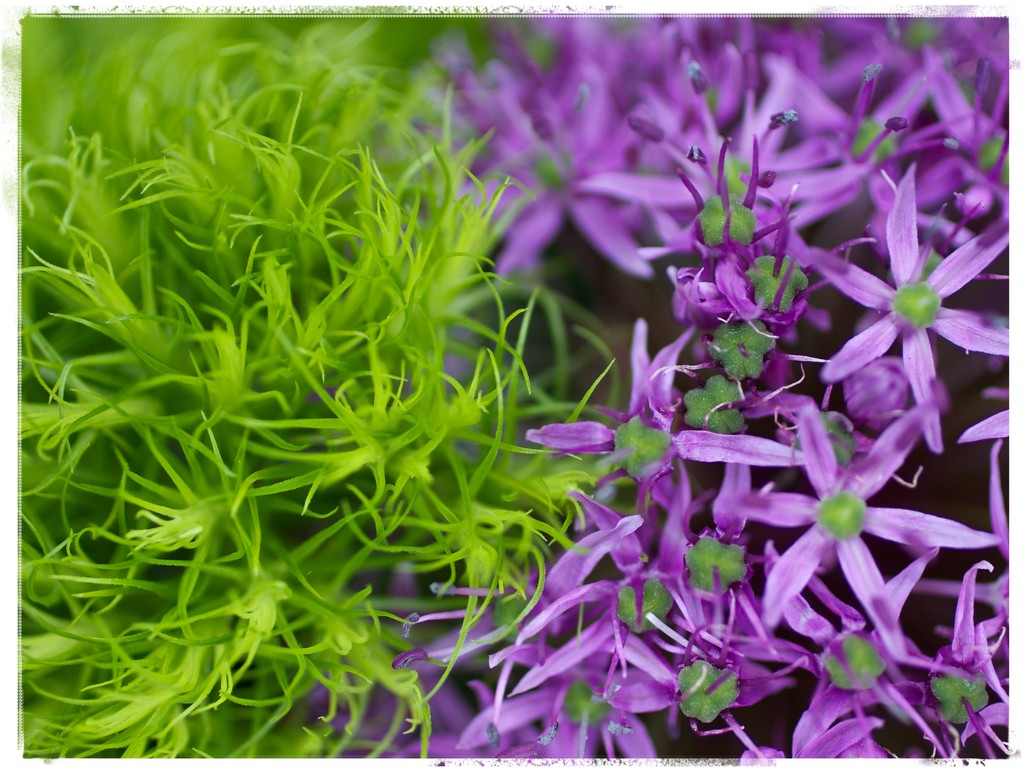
[(645, 128), (785, 117), (695, 154), (402, 660), (542, 127), (493, 737), (696, 75), (981, 76), (870, 72), (896, 124), (766, 180)]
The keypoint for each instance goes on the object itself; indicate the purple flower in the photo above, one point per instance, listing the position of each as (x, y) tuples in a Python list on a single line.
[(839, 515), (552, 130), (877, 393), (644, 444), (915, 305)]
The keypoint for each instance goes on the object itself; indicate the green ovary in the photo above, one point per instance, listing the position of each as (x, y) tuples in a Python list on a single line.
[(703, 406), (642, 446), (840, 435), (708, 556), (951, 691), (988, 156), (579, 704), (697, 702), (842, 515), (656, 601), (742, 221), (766, 283), (920, 33), (918, 304), (867, 133), (741, 347), (860, 667)]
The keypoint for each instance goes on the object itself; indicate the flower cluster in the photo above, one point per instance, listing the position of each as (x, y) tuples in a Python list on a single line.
[(819, 191), (324, 445)]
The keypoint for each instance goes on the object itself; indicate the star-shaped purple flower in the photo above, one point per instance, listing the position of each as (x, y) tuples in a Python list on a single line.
[(914, 306), (839, 515)]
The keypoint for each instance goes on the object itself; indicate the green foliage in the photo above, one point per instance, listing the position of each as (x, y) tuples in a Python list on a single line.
[(264, 364)]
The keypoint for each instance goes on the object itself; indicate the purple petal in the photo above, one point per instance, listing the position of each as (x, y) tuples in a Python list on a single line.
[(704, 446), (785, 79), (866, 581), (729, 517), (886, 456), (898, 589), (996, 714), (961, 266), (996, 503), (626, 552), (824, 709), (963, 646), (735, 286), (640, 362), (910, 527), (863, 287), (802, 617), (574, 566), (871, 343), (661, 191), (820, 461), (527, 654), (516, 713), (641, 656), (971, 332), (527, 236), (763, 757), (660, 384), (823, 192), (584, 437), (602, 225), (580, 595), (996, 426), (675, 499), (841, 737), (850, 617), (919, 363), (577, 650), (645, 696), (901, 230), (793, 571), (781, 508)]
